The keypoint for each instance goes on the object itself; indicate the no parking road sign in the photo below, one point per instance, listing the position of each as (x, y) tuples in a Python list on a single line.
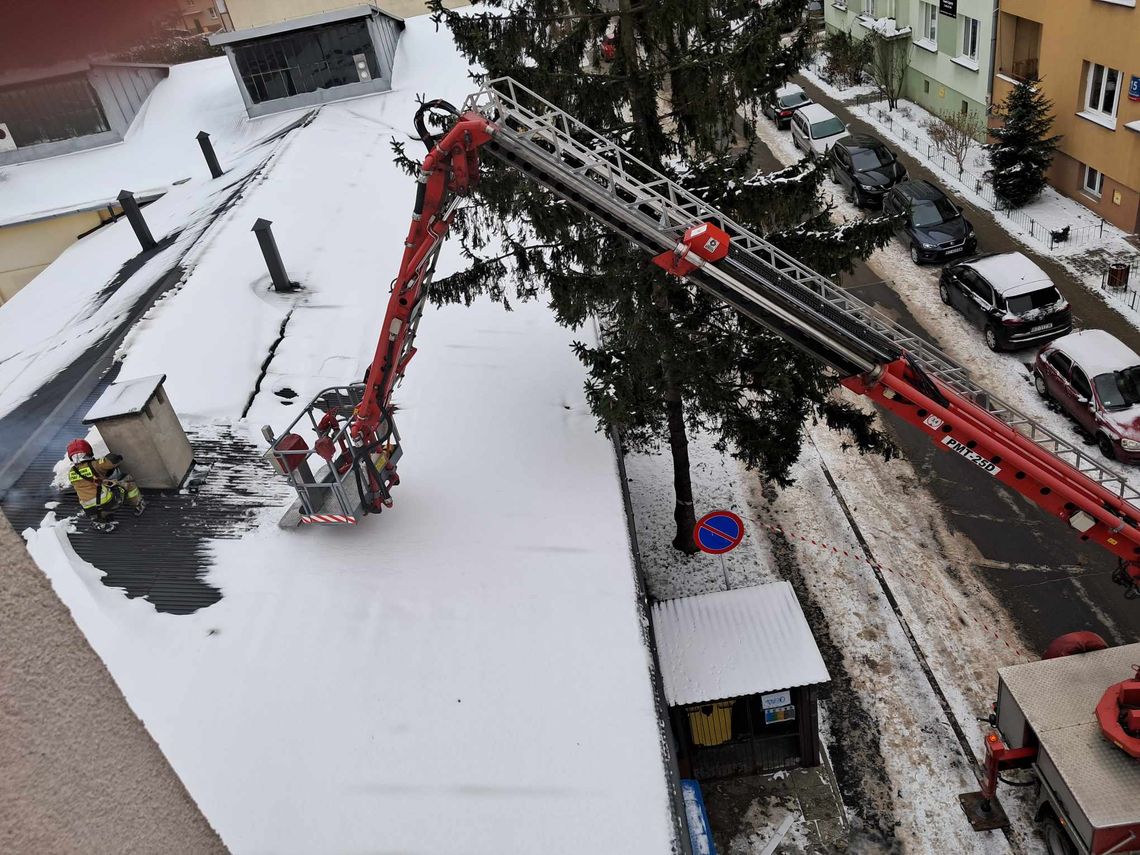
[(718, 532)]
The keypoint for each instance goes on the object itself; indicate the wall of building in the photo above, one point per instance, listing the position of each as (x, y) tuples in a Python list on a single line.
[(81, 772), (27, 249), (940, 79), (1074, 33), (201, 16), (256, 13)]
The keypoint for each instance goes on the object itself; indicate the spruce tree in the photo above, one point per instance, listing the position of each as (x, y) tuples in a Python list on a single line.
[(682, 92), (1023, 151)]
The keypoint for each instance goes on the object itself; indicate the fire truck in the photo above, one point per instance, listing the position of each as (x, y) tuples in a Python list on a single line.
[(1080, 741), (341, 452)]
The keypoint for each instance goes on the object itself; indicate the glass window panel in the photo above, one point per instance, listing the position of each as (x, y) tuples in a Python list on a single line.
[(52, 110), (1108, 100), (1095, 85), (305, 61)]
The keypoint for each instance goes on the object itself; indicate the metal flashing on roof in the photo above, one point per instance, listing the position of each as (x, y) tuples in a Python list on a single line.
[(288, 26), (66, 69), (730, 644)]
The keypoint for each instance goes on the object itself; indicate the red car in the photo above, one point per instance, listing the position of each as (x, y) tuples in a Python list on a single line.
[(1095, 378)]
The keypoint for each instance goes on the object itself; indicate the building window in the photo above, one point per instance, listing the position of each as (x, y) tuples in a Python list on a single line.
[(1103, 90), (213, 12), (52, 110), (869, 8), (305, 60), (970, 29), (929, 16), (1092, 182)]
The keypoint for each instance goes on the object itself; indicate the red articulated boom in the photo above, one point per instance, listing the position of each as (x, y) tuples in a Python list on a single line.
[(353, 427)]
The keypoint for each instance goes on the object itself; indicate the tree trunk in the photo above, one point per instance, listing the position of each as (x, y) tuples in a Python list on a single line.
[(683, 512), (643, 96)]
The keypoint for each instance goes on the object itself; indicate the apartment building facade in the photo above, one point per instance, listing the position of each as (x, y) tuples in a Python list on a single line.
[(204, 16), (246, 14), (1086, 54), (951, 46)]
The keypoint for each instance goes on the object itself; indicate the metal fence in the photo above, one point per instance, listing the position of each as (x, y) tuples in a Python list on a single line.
[(1046, 236), (1126, 287)]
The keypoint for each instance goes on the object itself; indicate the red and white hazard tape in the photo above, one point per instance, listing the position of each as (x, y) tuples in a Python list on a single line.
[(328, 518), (874, 565)]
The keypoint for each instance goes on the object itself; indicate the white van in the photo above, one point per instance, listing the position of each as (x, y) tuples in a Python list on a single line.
[(815, 128)]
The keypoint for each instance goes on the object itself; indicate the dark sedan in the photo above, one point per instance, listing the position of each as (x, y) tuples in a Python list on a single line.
[(788, 99), (934, 226), (865, 168)]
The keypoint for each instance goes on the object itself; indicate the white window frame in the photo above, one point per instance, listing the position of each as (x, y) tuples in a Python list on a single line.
[(213, 12), (1098, 182), (975, 26), (929, 14), (1095, 107)]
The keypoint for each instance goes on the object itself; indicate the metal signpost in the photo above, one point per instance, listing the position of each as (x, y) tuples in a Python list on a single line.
[(718, 532)]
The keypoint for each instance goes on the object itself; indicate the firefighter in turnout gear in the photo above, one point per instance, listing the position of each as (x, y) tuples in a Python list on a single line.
[(101, 485)]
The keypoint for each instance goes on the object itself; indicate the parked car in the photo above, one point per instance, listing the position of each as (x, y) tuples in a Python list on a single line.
[(934, 226), (815, 128), (1009, 297), (1095, 378), (788, 99), (864, 168)]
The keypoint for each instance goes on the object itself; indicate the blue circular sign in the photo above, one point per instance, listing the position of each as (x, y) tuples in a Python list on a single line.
[(718, 532)]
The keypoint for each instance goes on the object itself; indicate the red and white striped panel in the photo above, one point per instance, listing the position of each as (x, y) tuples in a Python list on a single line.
[(329, 518)]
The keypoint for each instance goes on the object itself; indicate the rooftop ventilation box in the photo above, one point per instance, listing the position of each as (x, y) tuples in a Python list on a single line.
[(136, 420)]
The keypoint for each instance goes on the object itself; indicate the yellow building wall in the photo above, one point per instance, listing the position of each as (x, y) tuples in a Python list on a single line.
[(25, 250), (257, 13), (1103, 33)]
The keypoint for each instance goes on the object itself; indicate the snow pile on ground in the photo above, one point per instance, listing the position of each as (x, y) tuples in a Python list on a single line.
[(467, 672), (815, 71)]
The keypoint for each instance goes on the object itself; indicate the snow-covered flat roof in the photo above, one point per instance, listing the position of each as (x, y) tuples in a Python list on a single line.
[(160, 148), (467, 672), (1097, 351), (729, 644)]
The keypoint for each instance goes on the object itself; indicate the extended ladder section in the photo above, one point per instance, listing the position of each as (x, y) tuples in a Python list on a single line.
[(878, 357)]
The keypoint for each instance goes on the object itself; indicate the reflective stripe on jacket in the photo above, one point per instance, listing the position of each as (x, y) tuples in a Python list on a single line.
[(87, 479)]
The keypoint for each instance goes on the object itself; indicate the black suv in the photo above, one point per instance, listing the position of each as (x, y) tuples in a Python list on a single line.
[(1009, 297), (865, 168), (934, 225)]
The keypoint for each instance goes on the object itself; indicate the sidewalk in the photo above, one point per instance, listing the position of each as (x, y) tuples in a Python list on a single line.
[(1089, 310)]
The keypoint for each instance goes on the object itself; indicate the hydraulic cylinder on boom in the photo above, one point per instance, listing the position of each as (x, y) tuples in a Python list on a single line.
[(342, 450)]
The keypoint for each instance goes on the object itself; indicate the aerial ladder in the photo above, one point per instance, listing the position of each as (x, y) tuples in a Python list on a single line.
[(341, 452)]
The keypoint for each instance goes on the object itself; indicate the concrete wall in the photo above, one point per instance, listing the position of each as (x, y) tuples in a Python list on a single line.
[(25, 250), (80, 771), (256, 13), (1104, 33)]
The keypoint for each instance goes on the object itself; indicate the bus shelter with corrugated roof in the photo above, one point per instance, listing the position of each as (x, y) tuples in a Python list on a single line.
[(741, 672)]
